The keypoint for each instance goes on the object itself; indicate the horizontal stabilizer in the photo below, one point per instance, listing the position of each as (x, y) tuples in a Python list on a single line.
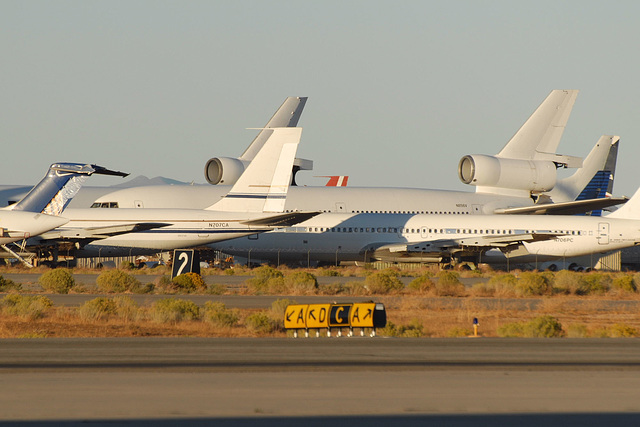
[(564, 208), (283, 220)]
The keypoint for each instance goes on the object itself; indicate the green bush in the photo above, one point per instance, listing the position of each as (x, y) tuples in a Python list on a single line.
[(625, 283), (567, 282), (540, 327), (449, 285), (533, 284), (266, 279), (594, 284), (173, 310), (414, 329), (126, 307), (216, 313), (503, 285), (215, 289), (29, 307), (620, 330), (301, 283), (261, 323), (577, 330), (278, 309), (383, 282), (97, 309), (189, 282), (9, 285), (117, 281), (422, 283), (59, 280)]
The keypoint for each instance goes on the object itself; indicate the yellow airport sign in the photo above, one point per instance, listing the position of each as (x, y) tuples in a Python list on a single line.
[(318, 316), (295, 316), (362, 315)]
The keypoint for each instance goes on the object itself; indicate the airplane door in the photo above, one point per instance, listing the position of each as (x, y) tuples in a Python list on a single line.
[(138, 204), (603, 233), (476, 209), (341, 207)]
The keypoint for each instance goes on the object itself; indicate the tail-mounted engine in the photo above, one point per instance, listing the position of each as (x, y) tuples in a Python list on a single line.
[(227, 170), (489, 171)]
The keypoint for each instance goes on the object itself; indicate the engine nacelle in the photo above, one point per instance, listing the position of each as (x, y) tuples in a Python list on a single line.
[(224, 170), (490, 171)]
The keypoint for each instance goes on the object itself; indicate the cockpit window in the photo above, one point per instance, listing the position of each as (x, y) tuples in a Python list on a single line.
[(105, 205)]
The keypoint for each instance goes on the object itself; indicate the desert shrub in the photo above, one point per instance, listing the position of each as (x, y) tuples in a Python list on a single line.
[(544, 327), (29, 307), (173, 310), (128, 265), (116, 281), (355, 288), (266, 279), (594, 284), (59, 280), (215, 289), (620, 330), (449, 285), (126, 307), (301, 283), (503, 285), (329, 273), (189, 282), (567, 282), (531, 283), (278, 309), (383, 282), (217, 314), (97, 309), (624, 283), (414, 329), (164, 285), (540, 327), (577, 330), (422, 283), (261, 323), (458, 332), (9, 285), (483, 289)]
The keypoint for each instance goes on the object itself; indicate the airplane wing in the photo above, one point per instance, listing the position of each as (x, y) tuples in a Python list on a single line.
[(282, 220), (477, 243), (564, 208), (96, 233)]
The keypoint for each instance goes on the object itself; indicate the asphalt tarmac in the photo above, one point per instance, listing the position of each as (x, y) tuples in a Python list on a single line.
[(326, 381)]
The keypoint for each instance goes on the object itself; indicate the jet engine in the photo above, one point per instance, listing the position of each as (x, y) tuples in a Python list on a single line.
[(489, 171), (227, 170), (224, 170)]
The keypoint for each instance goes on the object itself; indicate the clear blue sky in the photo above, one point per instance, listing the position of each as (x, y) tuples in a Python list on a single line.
[(398, 90)]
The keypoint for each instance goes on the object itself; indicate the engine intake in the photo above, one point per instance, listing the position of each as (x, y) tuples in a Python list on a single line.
[(489, 171), (224, 170)]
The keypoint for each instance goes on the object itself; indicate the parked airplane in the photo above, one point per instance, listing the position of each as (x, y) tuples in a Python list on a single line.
[(39, 211), (254, 204), (287, 115), (441, 238)]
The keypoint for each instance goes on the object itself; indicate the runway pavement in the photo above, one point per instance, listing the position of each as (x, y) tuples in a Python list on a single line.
[(327, 381)]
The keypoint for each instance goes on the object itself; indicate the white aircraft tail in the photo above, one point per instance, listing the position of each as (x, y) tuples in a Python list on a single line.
[(61, 183), (541, 133), (287, 116), (595, 178), (630, 210), (263, 186)]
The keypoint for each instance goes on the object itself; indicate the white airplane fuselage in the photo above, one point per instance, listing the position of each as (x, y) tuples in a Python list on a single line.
[(360, 237), (18, 225), (185, 227)]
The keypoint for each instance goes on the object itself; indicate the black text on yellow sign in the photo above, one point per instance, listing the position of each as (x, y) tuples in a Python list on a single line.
[(317, 316)]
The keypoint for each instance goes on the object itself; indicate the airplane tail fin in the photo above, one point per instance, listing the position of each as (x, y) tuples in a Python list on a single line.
[(263, 186), (595, 178), (541, 133), (630, 210), (61, 183), (287, 115)]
